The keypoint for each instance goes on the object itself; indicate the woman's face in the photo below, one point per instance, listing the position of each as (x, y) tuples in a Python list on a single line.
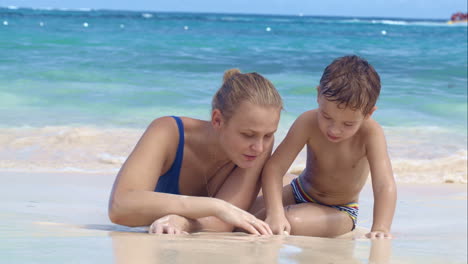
[(249, 133)]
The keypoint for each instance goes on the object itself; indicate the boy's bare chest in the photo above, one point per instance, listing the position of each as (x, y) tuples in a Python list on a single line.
[(346, 163), (346, 154), (334, 175)]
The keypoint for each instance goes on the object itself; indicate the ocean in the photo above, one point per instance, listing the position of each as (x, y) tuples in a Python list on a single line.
[(78, 87)]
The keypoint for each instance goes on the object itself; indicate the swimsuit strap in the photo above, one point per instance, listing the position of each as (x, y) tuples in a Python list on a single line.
[(180, 147), (169, 181)]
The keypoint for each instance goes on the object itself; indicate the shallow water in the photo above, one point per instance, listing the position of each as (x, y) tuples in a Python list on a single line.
[(77, 88)]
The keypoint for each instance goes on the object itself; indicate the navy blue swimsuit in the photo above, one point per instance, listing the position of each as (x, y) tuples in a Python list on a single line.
[(169, 182)]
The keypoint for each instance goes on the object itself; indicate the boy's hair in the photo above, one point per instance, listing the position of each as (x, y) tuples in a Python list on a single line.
[(238, 87), (351, 82)]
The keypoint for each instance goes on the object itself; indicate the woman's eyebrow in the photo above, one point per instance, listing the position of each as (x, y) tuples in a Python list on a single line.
[(249, 130)]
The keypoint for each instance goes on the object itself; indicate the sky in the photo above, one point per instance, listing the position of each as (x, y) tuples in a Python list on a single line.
[(432, 9)]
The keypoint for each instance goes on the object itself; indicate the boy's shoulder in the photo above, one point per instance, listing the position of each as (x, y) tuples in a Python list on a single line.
[(306, 124), (371, 125), (371, 129), (308, 119), (308, 116)]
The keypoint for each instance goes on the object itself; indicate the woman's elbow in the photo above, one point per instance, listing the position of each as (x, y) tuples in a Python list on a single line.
[(221, 229), (113, 211), (117, 212), (212, 224)]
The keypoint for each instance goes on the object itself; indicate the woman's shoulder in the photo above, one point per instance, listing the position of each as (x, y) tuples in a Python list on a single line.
[(164, 123), (190, 122), (171, 121), (171, 125)]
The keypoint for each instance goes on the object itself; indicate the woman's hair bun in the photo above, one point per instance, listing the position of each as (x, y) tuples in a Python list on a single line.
[(229, 73)]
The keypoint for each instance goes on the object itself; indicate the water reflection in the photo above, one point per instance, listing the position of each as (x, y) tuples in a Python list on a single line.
[(240, 248), (380, 251)]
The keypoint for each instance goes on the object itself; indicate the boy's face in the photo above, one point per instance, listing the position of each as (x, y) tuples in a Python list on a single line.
[(338, 124)]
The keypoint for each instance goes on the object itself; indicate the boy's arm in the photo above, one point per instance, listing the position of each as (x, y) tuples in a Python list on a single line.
[(383, 183), (280, 161)]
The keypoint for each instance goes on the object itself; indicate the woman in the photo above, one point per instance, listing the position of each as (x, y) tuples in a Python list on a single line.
[(190, 175)]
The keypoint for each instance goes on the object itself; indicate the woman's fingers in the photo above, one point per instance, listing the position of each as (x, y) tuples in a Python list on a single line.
[(157, 228), (250, 229), (170, 230), (260, 227), (243, 219), (267, 228), (256, 227), (248, 225), (170, 224), (263, 228)]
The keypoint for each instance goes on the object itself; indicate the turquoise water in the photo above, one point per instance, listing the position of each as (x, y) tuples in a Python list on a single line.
[(120, 70)]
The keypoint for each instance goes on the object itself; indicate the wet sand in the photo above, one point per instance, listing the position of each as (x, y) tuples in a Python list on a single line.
[(62, 218)]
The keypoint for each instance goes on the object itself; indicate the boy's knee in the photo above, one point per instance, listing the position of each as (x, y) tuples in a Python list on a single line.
[(293, 217)]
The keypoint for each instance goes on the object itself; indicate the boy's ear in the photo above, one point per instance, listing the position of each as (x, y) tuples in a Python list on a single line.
[(371, 112), (216, 118)]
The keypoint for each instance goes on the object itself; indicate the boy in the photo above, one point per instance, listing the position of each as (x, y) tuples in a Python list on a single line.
[(344, 144)]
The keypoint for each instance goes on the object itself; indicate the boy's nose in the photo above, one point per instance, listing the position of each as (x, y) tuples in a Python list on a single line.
[(335, 130)]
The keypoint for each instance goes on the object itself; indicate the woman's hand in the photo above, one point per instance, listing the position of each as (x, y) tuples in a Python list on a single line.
[(239, 218), (279, 224), (169, 224)]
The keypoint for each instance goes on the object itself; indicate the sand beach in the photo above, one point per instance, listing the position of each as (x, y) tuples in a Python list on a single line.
[(51, 217), (79, 87)]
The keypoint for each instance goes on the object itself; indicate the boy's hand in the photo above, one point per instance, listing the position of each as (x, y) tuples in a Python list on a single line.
[(379, 235), (279, 224)]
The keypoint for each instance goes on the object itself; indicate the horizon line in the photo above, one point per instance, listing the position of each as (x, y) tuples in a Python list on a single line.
[(87, 9)]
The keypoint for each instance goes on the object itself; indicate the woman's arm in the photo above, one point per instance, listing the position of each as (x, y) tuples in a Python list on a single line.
[(240, 189), (237, 193), (133, 201)]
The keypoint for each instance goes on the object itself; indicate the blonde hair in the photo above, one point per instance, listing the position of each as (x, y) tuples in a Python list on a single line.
[(238, 87)]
